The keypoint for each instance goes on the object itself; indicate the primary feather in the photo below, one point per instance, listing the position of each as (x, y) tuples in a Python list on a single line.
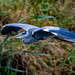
[(62, 33)]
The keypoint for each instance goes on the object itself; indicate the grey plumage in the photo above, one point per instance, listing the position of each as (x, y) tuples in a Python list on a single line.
[(35, 34)]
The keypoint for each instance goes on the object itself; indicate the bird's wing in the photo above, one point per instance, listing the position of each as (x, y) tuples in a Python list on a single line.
[(40, 34), (8, 28), (60, 32)]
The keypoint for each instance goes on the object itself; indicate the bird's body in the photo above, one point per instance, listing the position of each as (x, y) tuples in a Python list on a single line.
[(35, 34), (28, 38)]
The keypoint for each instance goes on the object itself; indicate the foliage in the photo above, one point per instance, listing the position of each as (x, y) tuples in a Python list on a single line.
[(43, 57)]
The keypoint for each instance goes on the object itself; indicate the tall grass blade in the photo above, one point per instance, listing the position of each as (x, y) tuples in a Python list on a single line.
[(23, 51), (41, 45), (3, 42), (51, 61), (1, 46), (41, 16), (8, 50), (20, 21), (13, 69), (43, 63), (9, 64)]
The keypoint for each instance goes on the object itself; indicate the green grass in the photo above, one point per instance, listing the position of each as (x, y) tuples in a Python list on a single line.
[(46, 57)]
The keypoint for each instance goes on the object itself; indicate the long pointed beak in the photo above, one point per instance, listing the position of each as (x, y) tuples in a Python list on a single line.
[(21, 35), (17, 36)]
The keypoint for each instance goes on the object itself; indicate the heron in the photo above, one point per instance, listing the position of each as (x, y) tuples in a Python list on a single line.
[(34, 33)]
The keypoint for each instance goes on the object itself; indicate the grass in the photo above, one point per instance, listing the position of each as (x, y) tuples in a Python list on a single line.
[(46, 57)]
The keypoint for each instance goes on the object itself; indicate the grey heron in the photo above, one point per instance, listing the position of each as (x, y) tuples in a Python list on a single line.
[(34, 33)]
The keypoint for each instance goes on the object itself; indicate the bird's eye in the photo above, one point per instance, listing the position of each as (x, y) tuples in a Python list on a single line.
[(23, 33)]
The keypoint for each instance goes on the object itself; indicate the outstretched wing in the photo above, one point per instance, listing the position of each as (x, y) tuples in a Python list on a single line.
[(40, 34), (8, 28), (61, 33)]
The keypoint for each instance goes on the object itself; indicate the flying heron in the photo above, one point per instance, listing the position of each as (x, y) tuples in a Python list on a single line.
[(34, 33)]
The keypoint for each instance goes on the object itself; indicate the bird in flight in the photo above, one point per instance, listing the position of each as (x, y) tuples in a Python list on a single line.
[(34, 33)]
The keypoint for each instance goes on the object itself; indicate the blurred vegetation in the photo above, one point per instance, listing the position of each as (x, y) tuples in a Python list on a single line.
[(47, 57)]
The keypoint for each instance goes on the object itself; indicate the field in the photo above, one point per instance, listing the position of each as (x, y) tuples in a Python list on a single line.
[(46, 57)]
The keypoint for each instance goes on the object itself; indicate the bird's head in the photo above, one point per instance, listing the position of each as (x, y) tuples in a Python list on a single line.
[(21, 35), (26, 37)]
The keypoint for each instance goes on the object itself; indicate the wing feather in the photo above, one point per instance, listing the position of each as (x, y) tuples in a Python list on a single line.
[(61, 32), (8, 28)]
